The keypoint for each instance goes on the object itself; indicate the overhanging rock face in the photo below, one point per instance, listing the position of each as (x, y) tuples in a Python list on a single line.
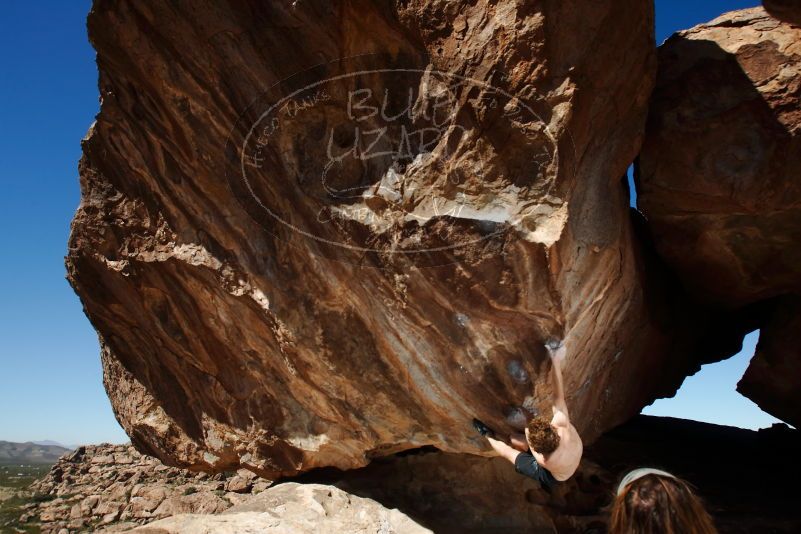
[(719, 182), (312, 233)]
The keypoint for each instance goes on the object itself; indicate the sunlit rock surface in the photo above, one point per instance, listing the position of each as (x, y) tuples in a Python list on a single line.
[(719, 184), (296, 508), (312, 233)]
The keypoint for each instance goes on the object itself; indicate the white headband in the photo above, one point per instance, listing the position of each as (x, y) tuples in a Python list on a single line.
[(631, 476)]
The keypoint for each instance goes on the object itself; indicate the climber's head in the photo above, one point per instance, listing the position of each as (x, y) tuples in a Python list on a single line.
[(541, 435), (650, 500)]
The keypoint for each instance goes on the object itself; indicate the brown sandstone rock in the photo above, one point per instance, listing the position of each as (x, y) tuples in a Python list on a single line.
[(136, 491), (108, 507), (408, 296), (202, 502), (110, 517), (718, 182), (239, 484), (297, 508), (236, 498), (88, 504)]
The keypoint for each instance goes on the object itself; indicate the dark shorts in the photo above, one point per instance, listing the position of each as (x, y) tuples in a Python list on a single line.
[(527, 465)]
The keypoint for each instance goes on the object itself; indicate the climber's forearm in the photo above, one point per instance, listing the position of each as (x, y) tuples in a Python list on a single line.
[(518, 441), (503, 449), (558, 384)]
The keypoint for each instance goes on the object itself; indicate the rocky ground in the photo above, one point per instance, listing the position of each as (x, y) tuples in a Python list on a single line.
[(114, 488), (295, 508)]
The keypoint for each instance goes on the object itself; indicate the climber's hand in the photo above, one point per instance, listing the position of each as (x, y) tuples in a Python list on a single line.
[(483, 429), (556, 350)]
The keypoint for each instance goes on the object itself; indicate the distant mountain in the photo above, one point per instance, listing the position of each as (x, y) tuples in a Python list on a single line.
[(50, 442), (56, 443), (29, 453)]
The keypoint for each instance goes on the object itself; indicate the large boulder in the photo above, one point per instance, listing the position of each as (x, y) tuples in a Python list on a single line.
[(312, 233), (718, 182)]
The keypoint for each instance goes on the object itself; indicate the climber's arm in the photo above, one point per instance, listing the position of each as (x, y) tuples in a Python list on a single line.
[(559, 405), (503, 449), (518, 441)]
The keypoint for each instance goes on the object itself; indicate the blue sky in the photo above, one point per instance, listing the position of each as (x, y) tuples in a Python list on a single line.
[(50, 384), (709, 395)]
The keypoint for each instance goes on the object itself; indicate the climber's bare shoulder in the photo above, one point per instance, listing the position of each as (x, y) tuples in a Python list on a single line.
[(564, 461)]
